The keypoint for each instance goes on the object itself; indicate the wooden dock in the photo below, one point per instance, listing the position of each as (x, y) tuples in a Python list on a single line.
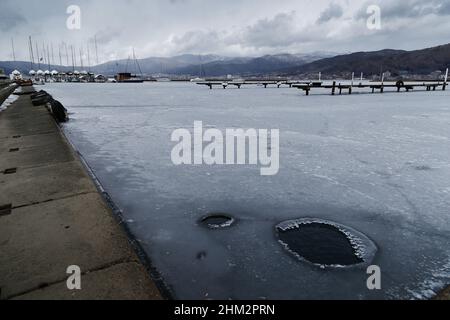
[(340, 88), (240, 83), (336, 87)]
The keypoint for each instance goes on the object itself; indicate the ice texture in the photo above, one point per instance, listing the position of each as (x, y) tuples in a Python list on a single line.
[(378, 163)]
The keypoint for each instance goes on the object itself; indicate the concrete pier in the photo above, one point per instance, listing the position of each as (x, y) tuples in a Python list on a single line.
[(52, 217), (5, 91)]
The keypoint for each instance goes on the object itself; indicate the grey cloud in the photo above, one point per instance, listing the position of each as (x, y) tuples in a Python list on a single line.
[(277, 32), (197, 41), (332, 12), (246, 27), (106, 36), (407, 9), (9, 17), (281, 30)]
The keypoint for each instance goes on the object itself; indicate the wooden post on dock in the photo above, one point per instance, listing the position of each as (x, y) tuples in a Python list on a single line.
[(351, 85), (382, 83), (333, 89), (445, 80)]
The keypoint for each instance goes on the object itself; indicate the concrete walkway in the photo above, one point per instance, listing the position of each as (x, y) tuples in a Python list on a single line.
[(52, 217)]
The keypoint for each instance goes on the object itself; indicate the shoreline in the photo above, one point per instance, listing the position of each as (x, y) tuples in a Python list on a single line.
[(52, 216)]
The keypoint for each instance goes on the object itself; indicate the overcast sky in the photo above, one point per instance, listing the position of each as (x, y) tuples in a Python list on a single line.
[(232, 28)]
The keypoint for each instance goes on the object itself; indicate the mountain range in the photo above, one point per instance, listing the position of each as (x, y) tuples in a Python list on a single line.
[(423, 61), (193, 65), (397, 62)]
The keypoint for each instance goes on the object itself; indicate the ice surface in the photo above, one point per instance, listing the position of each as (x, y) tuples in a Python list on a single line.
[(377, 163)]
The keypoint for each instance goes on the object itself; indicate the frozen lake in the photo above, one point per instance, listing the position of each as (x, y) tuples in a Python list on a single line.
[(377, 163)]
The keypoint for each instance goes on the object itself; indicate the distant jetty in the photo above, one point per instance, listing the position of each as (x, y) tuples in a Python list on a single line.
[(336, 86)]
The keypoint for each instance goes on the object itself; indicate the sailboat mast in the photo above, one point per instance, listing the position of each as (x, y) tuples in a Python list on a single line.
[(137, 63), (30, 46), (81, 58), (75, 56), (38, 55), (73, 63), (44, 55), (53, 56), (126, 66), (13, 51), (60, 57), (48, 58), (67, 54), (89, 58), (96, 49)]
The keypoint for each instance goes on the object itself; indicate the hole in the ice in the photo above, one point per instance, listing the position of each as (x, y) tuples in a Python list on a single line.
[(218, 221), (325, 243)]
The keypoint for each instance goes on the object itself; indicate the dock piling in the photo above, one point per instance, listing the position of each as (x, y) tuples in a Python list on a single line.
[(445, 80)]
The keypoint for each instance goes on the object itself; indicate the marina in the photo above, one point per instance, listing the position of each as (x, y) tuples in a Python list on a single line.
[(225, 158)]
